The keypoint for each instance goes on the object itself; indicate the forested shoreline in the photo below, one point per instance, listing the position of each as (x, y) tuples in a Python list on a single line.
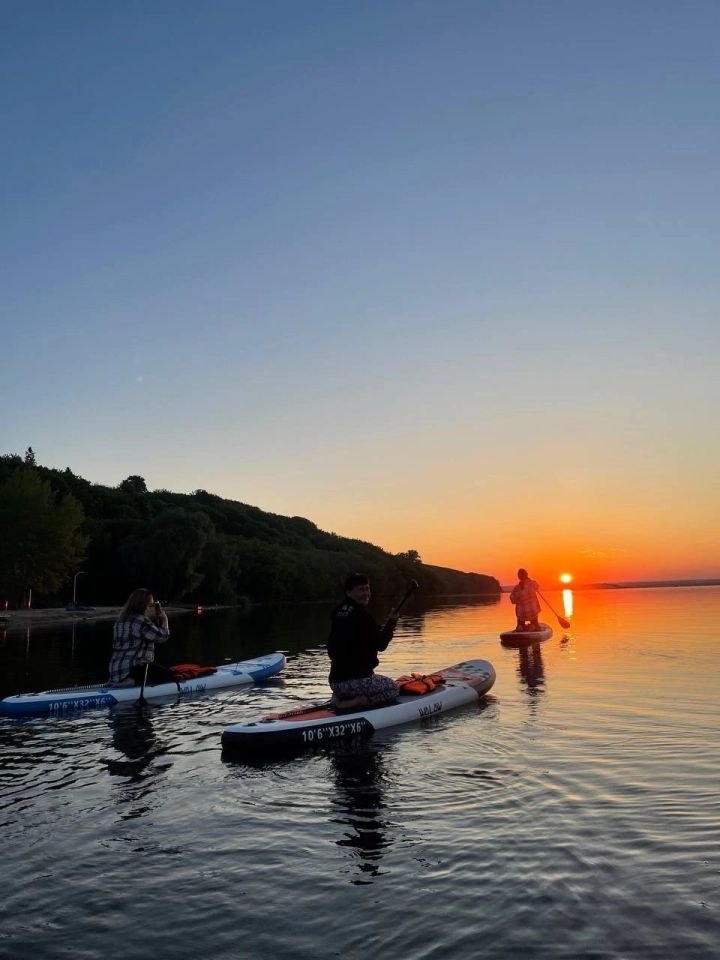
[(192, 548)]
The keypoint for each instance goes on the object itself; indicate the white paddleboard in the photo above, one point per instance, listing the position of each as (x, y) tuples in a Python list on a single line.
[(321, 723), (521, 638), (69, 699)]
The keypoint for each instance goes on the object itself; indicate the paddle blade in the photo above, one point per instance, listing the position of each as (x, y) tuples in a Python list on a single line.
[(412, 587), (565, 624)]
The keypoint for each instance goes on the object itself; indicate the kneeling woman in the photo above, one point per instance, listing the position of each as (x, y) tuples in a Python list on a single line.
[(354, 643), (134, 639)]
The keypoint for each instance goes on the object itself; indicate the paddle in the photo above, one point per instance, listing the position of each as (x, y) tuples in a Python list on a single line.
[(141, 699), (412, 587), (565, 624)]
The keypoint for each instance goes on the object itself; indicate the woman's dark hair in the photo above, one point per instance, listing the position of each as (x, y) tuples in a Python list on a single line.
[(136, 604), (522, 574), (355, 580)]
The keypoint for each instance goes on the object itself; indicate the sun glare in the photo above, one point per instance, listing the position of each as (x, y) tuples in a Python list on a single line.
[(566, 578)]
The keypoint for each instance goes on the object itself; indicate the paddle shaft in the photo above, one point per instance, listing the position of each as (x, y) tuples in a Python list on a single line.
[(561, 620), (141, 698), (412, 587)]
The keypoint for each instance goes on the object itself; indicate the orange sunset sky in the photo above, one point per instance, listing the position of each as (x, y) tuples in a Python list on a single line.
[(441, 282)]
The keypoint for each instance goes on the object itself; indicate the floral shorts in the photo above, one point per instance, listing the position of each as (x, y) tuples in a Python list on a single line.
[(377, 689)]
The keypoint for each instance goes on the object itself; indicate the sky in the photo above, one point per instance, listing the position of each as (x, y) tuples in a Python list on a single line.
[(436, 275)]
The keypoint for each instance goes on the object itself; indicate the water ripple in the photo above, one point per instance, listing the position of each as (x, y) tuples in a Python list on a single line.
[(572, 814)]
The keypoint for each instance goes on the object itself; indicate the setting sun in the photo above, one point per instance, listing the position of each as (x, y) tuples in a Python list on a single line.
[(566, 578)]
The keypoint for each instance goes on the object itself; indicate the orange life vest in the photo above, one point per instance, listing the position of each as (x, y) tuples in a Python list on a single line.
[(420, 682), (189, 671)]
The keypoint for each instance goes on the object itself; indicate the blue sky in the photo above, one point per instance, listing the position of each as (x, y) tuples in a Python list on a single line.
[(391, 266)]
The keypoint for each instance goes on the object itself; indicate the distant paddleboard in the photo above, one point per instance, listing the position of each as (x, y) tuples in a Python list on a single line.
[(521, 638)]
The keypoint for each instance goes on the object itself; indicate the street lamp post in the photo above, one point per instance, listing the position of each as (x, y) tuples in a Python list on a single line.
[(75, 583)]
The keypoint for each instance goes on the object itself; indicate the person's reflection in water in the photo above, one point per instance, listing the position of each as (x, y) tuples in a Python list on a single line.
[(532, 671), (133, 736), (360, 776)]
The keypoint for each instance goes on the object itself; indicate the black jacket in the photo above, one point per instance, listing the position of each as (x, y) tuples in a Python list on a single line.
[(355, 641)]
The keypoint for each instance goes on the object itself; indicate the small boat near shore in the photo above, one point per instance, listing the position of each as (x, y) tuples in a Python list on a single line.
[(318, 724), (67, 700)]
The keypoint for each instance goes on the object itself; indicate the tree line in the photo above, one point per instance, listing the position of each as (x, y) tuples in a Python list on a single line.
[(191, 548)]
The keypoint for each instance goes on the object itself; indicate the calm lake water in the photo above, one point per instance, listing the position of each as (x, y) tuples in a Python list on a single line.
[(572, 814)]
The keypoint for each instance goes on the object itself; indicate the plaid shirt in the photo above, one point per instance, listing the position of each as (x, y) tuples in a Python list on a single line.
[(134, 642)]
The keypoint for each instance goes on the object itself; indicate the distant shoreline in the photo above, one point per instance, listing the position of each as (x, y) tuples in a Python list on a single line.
[(57, 616), (629, 584)]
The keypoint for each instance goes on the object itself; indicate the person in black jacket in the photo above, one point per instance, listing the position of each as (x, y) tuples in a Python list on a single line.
[(354, 643)]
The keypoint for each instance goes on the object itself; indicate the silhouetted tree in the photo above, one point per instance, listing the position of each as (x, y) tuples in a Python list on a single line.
[(412, 555), (10, 463), (134, 484), (41, 540), (166, 555), (30, 457)]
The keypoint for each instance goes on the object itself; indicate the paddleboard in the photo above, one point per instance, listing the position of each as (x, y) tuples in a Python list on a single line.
[(521, 638), (321, 723), (70, 699)]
